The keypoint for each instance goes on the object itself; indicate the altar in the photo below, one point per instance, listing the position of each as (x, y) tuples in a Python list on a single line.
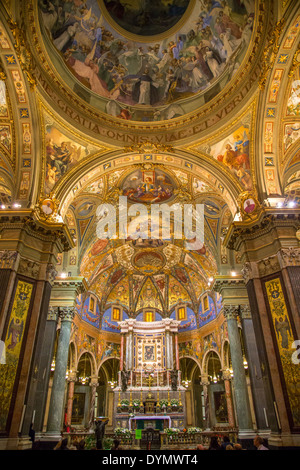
[(149, 391), (150, 420)]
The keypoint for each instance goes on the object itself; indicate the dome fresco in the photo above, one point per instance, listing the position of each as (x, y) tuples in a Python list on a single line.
[(108, 49)]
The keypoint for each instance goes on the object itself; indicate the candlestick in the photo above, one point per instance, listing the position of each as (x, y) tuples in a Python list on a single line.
[(157, 379), (169, 403)]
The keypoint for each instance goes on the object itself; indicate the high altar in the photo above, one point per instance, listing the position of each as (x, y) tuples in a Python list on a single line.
[(149, 393)]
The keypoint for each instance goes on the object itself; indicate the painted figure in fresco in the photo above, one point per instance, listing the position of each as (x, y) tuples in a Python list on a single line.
[(159, 72), (283, 329), (15, 332)]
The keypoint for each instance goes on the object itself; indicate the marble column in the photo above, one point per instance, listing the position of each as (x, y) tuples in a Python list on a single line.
[(227, 385), (93, 384), (205, 384), (71, 387), (255, 372), (122, 352), (54, 424), (168, 349), (38, 390), (239, 378), (176, 351)]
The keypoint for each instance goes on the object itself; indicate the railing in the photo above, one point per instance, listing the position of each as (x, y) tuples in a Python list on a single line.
[(181, 440)]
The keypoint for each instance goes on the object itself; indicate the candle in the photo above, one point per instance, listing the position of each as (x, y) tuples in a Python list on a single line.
[(157, 378), (141, 377)]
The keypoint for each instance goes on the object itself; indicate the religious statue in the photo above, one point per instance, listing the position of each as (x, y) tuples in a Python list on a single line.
[(125, 377), (99, 433), (174, 378)]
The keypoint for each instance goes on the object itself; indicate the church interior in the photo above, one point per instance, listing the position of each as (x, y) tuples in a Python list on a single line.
[(113, 107)]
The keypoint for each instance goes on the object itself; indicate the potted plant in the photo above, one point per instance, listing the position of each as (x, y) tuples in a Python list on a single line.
[(171, 432), (194, 430), (90, 442), (136, 404), (124, 404), (107, 443), (174, 404), (122, 432)]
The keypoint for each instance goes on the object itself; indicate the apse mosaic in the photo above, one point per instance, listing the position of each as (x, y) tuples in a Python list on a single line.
[(114, 48)]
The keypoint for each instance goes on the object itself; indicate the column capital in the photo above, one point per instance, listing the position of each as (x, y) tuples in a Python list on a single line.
[(205, 380), (53, 313), (72, 376), (231, 312), (245, 312), (94, 382), (226, 374), (66, 313)]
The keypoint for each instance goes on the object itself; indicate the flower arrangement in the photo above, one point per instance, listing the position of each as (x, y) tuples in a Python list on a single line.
[(172, 431), (194, 430), (107, 443), (122, 432), (174, 402), (163, 403), (136, 403), (90, 442), (124, 403)]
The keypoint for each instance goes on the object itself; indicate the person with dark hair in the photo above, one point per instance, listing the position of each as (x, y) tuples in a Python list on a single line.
[(116, 445), (214, 444), (226, 442), (64, 445)]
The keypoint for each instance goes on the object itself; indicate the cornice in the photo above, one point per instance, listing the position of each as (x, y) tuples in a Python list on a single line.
[(29, 221), (267, 220)]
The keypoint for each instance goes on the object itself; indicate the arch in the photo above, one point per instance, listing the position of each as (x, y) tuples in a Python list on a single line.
[(205, 359), (197, 363), (92, 359), (105, 360), (95, 164), (73, 362)]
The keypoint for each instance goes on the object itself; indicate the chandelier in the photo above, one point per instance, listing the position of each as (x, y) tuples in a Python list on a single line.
[(84, 378)]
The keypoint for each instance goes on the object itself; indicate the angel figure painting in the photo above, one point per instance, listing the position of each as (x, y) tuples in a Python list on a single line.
[(61, 154), (233, 152)]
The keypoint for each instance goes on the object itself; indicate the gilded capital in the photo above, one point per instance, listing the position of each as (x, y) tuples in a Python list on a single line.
[(245, 311), (231, 312), (66, 313), (53, 313)]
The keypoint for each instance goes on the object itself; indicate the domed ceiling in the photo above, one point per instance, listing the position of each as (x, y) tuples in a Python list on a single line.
[(138, 272), (147, 60)]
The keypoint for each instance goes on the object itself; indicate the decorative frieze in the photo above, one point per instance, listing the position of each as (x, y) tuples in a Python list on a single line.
[(29, 268), (289, 257), (8, 259), (268, 266), (51, 273)]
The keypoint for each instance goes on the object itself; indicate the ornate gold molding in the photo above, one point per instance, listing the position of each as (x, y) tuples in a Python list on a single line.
[(270, 53)]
